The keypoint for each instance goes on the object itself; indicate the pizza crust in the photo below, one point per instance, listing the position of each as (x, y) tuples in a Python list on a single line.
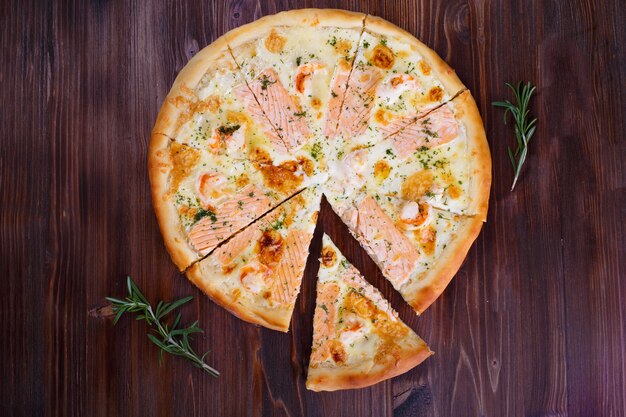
[(188, 78), (301, 17), (159, 167), (333, 379), (446, 267), (275, 319), (478, 148), (443, 71)]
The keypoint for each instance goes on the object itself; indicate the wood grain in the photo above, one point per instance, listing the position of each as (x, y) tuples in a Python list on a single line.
[(533, 325)]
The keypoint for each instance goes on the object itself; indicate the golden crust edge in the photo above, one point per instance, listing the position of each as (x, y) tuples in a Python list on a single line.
[(274, 320), (313, 17), (445, 73), (448, 264), (479, 152), (159, 165), (334, 379), (189, 77)]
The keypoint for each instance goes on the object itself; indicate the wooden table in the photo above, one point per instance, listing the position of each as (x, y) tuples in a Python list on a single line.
[(533, 324)]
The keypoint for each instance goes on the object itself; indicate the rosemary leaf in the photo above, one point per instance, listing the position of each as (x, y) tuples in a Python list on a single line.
[(524, 129), (172, 340)]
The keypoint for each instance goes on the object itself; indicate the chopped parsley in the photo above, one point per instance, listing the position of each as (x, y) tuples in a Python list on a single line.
[(202, 213), (383, 42), (323, 307), (332, 41), (298, 60), (300, 114), (316, 149), (366, 44), (332, 93), (228, 130), (266, 82)]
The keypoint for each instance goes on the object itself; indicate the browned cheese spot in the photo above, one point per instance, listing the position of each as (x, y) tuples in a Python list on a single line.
[(454, 191), (382, 117), (270, 247), (427, 238), (424, 67), (343, 46), (415, 186), (435, 94), (337, 351), (329, 257), (183, 158), (242, 180), (274, 42), (382, 57), (381, 170)]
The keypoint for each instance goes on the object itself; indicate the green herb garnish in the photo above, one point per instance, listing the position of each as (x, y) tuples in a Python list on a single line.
[(170, 339), (524, 129), (202, 213)]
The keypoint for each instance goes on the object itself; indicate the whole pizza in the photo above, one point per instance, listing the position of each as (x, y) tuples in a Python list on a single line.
[(272, 116)]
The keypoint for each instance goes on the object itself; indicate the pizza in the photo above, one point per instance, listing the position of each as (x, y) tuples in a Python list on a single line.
[(358, 339), (256, 274), (273, 115)]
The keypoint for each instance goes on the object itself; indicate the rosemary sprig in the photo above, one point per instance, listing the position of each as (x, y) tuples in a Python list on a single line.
[(171, 339), (524, 129)]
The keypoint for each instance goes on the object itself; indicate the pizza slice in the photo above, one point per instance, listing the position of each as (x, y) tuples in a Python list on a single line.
[(208, 108), (202, 198), (358, 339), (441, 161), (395, 80), (256, 274), (297, 66)]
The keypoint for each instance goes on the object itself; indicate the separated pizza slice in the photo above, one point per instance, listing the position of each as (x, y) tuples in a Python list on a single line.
[(395, 80), (256, 274), (358, 339), (297, 66), (202, 198)]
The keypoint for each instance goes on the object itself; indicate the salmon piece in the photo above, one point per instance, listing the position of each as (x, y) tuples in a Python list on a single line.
[(282, 110), (339, 83), (256, 113), (233, 248), (359, 101), (324, 320), (231, 216), (436, 129), (390, 248), (401, 123), (288, 273)]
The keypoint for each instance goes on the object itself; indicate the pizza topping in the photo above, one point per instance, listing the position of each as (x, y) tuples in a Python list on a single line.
[(382, 57), (302, 79), (210, 187), (427, 238), (329, 257), (270, 247), (253, 276), (285, 177), (424, 67), (454, 191), (417, 185), (213, 103), (274, 42), (435, 94), (183, 158), (343, 47), (414, 214), (381, 170)]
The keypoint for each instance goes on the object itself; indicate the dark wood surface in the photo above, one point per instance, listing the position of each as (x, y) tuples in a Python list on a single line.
[(533, 324)]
